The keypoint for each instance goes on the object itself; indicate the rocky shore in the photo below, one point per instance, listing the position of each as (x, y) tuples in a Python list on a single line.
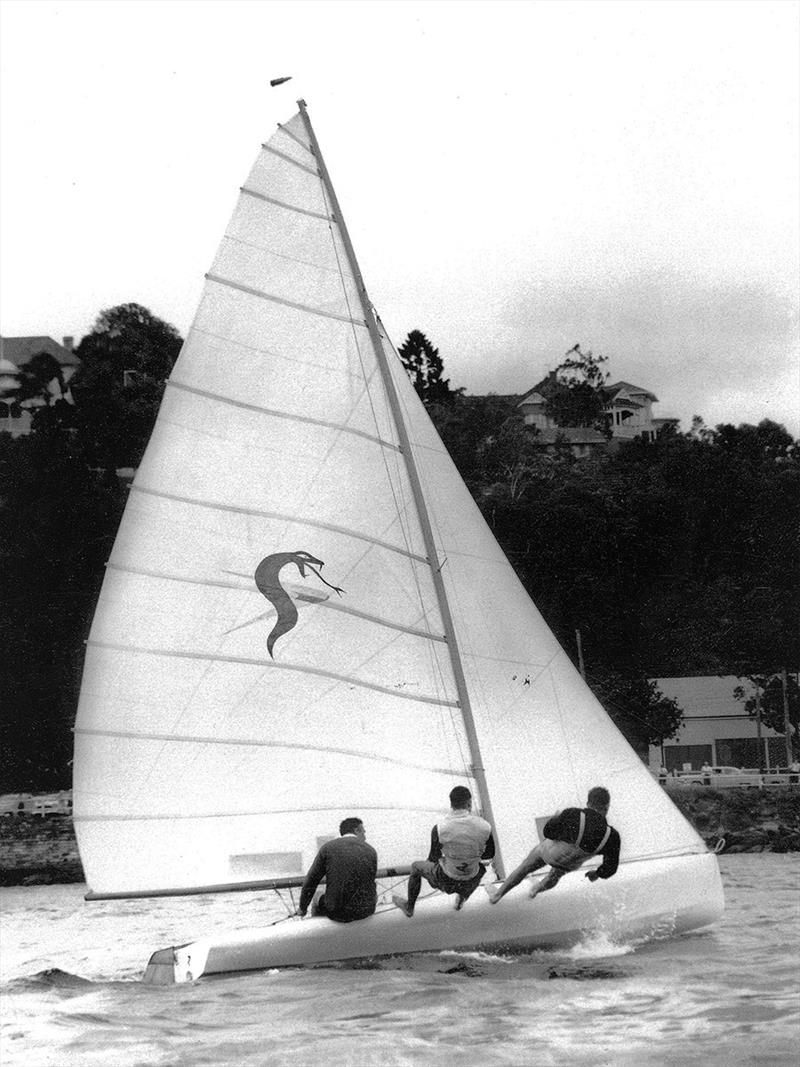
[(43, 851)]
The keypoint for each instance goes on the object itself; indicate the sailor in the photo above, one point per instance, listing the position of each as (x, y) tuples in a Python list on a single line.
[(459, 842), (571, 837), (349, 866)]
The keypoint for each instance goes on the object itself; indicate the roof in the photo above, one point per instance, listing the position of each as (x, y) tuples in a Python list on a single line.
[(630, 390), (21, 350)]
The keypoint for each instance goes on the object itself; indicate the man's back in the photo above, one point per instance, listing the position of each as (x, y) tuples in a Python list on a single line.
[(350, 867)]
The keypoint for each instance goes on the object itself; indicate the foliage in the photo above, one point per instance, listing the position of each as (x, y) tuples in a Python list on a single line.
[(574, 393), (60, 505), (771, 699), (36, 378), (424, 367), (637, 707), (125, 362)]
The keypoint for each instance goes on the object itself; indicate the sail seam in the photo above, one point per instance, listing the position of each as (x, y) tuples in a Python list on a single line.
[(247, 661), (253, 742), (279, 255), (274, 413), (160, 817), (283, 204), (304, 364), (288, 159), (330, 605), (281, 517)]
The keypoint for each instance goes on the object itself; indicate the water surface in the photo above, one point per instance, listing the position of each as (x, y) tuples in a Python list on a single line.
[(731, 995)]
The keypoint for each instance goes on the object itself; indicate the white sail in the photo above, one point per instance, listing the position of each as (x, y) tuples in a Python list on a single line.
[(239, 699)]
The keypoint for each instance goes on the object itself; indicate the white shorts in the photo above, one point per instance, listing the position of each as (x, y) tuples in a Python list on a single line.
[(562, 856)]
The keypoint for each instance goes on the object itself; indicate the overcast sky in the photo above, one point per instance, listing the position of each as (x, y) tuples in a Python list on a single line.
[(516, 177)]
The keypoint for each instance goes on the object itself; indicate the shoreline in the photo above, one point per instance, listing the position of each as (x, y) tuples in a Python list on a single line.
[(43, 851)]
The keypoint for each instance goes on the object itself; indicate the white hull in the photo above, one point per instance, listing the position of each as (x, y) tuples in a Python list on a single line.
[(645, 899)]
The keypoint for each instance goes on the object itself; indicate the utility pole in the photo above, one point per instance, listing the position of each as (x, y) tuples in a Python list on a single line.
[(581, 667), (758, 729), (786, 724)]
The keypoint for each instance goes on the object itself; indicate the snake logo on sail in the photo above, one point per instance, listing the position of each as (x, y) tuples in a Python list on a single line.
[(267, 579)]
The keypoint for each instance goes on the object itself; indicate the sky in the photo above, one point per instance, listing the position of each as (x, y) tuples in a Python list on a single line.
[(517, 177)]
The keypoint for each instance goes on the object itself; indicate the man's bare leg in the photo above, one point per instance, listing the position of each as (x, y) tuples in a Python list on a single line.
[(549, 880), (532, 862)]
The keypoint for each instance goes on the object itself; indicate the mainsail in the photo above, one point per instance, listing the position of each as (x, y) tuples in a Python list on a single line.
[(305, 616)]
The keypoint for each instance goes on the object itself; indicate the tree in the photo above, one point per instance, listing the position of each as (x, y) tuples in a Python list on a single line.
[(770, 688), (36, 378), (574, 394), (125, 362), (638, 708), (424, 367)]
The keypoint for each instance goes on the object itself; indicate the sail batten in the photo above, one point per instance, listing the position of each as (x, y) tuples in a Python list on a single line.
[(275, 414), (281, 517), (307, 308), (173, 653), (289, 207), (254, 742), (288, 159)]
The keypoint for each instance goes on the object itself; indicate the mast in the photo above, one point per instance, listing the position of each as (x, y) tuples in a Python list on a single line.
[(416, 488)]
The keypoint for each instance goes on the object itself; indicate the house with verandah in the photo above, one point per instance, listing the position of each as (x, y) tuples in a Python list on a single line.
[(16, 415)]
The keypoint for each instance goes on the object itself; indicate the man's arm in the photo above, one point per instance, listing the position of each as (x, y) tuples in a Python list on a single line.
[(489, 848), (316, 872), (435, 852), (610, 856)]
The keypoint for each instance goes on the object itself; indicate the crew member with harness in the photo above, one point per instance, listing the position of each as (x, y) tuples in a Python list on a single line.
[(571, 837), (459, 842)]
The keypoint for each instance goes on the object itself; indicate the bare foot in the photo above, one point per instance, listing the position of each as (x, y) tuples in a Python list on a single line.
[(402, 904), (460, 902), (494, 897), (534, 890)]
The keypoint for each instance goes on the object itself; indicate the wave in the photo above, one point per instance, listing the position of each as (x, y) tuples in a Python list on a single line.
[(53, 978)]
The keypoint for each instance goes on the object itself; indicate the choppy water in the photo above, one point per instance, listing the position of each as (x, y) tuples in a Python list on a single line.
[(731, 995)]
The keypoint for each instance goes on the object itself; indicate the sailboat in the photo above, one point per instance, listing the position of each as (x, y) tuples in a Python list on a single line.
[(305, 617)]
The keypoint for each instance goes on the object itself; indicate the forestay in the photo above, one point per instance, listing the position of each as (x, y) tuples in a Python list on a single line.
[(239, 698)]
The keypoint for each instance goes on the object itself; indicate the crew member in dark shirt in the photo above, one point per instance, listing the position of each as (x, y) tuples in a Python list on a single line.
[(571, 837), (349, 866)]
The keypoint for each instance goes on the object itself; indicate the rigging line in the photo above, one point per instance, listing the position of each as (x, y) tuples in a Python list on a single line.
[(277, 515), (400, 512), (288, 159), (253, 742), (274, 413), (282, 203), (246, 661), (307, 309)]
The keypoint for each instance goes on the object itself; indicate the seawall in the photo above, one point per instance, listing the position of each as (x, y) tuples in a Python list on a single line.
[(42, 851)]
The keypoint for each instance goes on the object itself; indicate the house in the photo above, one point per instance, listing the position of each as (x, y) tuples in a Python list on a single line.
[(716, 730), (628, 411), (15, 354)]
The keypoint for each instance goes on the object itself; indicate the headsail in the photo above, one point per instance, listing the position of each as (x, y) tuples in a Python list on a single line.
[(227, 723)]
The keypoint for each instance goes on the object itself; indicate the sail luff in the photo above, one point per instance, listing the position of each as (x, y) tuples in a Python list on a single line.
[(414, 479)]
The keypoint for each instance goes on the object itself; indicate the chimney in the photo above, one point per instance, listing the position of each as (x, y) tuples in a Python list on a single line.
[(68, 343)]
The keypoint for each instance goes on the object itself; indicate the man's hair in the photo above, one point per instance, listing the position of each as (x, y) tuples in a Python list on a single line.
[(349, 826), (460, 797), (598, 797)]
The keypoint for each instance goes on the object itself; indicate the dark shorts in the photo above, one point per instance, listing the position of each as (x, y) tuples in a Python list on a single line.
[(435, 877), (319, 908)]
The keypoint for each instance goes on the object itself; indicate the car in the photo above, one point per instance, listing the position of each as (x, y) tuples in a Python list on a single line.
[(721, 778)]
